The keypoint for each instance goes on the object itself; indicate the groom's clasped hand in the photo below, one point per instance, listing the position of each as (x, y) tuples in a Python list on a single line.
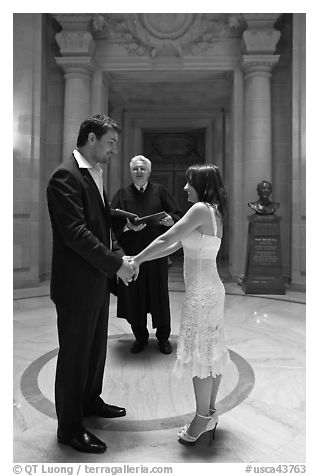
[(129, 270), (136, 267)]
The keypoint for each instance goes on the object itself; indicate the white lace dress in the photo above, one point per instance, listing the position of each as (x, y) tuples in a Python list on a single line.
[(201, 348)]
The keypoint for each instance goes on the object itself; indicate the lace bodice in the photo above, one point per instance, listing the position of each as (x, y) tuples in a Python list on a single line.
[(201, 343)]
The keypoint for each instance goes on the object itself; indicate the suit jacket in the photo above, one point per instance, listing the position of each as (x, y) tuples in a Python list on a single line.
[(82, 260)]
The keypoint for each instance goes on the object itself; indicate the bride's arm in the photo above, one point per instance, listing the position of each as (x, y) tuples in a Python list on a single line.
[(195, 216), (165, 252)]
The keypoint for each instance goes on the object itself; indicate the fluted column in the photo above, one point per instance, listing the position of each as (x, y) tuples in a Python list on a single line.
[(259, 43), (76, 46)]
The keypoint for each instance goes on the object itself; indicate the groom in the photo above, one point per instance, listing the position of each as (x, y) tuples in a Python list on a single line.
[(82, 262)]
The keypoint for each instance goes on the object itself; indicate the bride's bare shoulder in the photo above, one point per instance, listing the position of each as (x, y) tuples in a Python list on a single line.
[(199, 206), (200, 213)]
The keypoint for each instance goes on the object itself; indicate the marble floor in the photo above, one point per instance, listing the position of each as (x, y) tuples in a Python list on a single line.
[(261, 399)]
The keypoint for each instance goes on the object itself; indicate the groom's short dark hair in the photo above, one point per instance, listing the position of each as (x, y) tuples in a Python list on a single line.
[(99, 124)]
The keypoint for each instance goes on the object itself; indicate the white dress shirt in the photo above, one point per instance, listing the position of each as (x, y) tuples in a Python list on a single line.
[(95, 172), (139, 188)]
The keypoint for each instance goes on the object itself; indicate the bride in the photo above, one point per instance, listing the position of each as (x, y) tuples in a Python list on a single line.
[(201, 348)]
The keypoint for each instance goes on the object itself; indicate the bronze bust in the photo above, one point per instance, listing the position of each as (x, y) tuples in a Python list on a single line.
[(264, 206)]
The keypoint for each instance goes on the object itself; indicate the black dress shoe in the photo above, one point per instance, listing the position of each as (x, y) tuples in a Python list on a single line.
[(106, 411), (165, 347), (85, 442), (138, 346)]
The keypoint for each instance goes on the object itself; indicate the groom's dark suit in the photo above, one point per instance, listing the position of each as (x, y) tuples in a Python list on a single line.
[(82, 262)]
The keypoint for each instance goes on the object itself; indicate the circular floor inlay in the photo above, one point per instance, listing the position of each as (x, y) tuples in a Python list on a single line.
[(33, 394)]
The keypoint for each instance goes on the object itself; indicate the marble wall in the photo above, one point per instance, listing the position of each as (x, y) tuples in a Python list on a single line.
[(299, 150), (27, 84), (281, 94), (52, 137), (38, 116)]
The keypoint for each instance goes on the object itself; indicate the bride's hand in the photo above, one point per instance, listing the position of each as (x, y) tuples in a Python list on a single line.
[(135, 266)]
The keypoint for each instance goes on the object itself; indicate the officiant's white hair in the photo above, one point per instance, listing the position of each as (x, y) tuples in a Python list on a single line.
[(146, 161)]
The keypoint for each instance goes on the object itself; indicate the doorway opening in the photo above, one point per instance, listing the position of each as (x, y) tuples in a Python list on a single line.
[(171, 152)]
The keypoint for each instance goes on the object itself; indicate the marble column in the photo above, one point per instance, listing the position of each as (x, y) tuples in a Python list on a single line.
[(258, 43), (99, 105), (76, 46), (77, 103), (257, 134), (99, 93), (234, 171)]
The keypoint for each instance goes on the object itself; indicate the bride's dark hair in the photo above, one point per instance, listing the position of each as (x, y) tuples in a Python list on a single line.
[(207, 181)]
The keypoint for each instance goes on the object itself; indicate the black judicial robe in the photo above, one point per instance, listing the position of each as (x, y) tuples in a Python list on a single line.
[(149, 293)]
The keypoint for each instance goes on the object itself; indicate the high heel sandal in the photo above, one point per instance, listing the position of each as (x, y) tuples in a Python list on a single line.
[(188, 440), (212, 412)]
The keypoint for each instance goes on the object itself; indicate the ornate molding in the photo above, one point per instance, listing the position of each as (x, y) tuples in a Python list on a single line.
[(167, 26), (166, 34), (176, 148)]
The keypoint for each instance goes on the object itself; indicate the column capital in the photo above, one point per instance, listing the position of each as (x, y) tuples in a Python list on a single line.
[(260, 41), (260, 35), (258, 64), (75, 43)]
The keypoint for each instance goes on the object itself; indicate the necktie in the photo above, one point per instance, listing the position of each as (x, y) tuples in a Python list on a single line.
[(141, 189)]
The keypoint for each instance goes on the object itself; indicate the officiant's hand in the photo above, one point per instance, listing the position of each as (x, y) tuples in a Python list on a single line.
[(167, 220), (129, 225)]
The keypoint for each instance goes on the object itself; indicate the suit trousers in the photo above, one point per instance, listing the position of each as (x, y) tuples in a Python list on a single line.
[(80, 367), (141, 333)]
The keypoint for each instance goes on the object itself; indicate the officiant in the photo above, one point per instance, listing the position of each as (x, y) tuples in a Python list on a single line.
[(149, 293)]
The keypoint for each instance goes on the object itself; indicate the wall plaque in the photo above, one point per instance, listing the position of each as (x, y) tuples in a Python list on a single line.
[(263, 271)]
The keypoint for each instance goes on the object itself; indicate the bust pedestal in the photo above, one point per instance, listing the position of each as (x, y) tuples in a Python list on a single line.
[(263, 271)]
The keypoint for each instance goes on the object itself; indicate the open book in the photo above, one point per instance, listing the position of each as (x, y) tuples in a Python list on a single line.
[(136, 220)]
